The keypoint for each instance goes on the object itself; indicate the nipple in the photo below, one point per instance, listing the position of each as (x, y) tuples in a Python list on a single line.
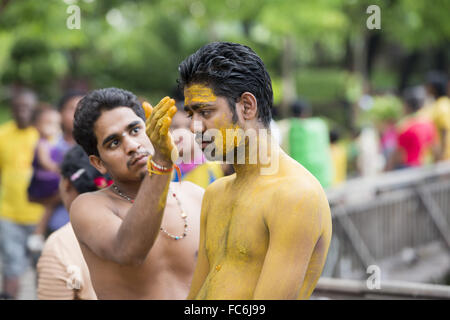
[(242, 250)]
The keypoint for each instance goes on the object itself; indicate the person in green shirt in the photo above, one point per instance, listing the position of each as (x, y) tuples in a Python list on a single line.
[(309, 142)]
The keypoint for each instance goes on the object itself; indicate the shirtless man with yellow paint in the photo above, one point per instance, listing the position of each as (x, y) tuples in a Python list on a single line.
[(262, 236)]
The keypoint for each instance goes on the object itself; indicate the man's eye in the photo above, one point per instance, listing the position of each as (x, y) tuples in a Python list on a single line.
[(114, 144), (205, 113), (135, 129), (189, 115)]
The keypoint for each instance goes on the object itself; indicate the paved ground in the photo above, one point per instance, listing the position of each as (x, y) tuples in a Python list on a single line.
[(28, 285)]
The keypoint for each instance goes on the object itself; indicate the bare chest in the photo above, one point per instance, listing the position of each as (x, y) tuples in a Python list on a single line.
[(176, 247), (235, 231)]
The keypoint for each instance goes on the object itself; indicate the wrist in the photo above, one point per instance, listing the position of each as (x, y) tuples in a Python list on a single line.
[(162, 161)]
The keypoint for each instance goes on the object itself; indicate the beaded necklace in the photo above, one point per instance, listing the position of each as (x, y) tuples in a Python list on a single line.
[(182, 213)]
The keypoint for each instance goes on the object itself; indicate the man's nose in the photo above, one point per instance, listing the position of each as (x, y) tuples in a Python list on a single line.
[(131, 144), (196, 125)]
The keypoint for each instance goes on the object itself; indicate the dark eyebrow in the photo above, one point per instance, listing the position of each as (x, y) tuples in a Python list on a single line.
[(196, 106), (113, 136)]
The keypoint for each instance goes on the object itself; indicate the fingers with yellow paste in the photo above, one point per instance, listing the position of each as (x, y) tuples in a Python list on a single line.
[(158, 124), (158, 112), (147, 109)]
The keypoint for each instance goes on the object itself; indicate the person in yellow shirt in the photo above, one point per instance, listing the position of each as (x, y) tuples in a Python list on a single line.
[(439, 112), (339, 158), (18, 216)]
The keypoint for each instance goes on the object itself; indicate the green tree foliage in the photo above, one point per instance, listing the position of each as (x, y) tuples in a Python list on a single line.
[(138, 45)]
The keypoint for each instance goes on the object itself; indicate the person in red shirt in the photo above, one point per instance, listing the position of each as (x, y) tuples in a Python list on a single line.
[(417, 137), (416, 134)]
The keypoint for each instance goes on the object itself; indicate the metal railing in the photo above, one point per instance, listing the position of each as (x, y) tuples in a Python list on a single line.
[(376, 219), (344, 289)]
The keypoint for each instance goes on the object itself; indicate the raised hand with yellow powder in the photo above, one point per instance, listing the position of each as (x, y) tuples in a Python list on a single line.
[(157, 128)]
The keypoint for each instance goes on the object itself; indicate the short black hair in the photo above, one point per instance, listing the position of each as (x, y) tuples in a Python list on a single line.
[(90, 108), (230, 69), (81, 174), (69, 94), (438, 81)]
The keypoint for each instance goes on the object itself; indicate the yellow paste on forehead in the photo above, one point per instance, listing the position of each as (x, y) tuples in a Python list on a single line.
[(198, 93)]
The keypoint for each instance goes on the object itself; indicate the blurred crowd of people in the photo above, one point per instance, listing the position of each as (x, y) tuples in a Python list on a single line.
[(32, 147), (419, 134)]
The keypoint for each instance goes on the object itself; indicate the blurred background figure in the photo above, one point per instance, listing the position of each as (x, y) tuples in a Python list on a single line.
[(438, 111), (416, 135), (385, 112), (58, 215), (43, 187), (370, 161), (62, 270), (309, 142), (18, 217), (66, 106), (338, 157)]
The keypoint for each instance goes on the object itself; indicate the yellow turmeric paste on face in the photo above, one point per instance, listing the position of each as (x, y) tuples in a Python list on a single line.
[(197, 94)]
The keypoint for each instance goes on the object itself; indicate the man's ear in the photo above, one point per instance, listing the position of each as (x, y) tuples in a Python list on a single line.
[(249, 106), (97, 163)]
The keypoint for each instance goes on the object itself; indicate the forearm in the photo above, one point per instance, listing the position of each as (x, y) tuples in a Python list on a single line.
[(50, 166), (42, 224), (142, 224)]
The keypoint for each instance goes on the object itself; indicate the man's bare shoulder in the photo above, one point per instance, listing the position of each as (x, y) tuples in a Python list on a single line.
[(88, 198), (220, 184), (89, 202), (295, 189), (95, 220)]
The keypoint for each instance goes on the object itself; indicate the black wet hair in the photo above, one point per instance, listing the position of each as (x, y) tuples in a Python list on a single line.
[(90, 108), (230, 69), (77, 168)]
